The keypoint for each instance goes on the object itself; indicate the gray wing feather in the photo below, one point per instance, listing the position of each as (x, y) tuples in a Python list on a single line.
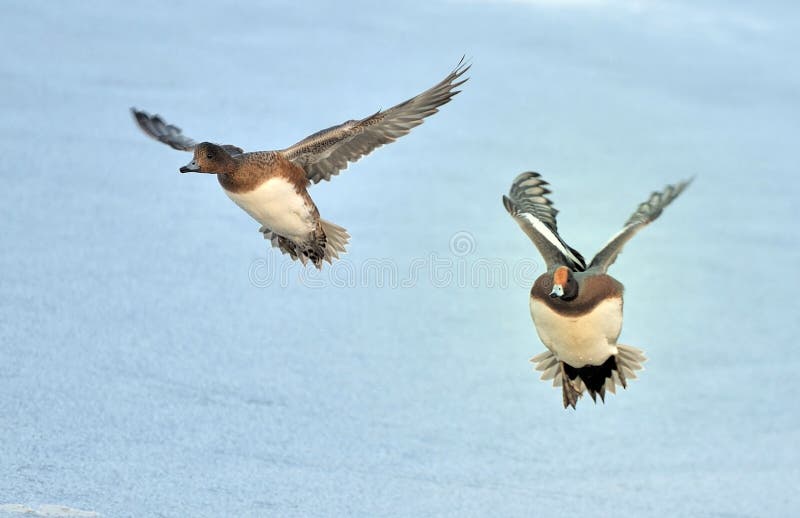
[(530, 192), (646, 213), (155, 127), (528, 204), (327, 152)]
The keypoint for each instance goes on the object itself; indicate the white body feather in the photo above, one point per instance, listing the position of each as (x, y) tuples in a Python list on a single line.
[(277, 206), (587, 339)]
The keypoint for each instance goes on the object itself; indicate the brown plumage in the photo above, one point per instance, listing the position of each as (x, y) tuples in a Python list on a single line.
[(593, 290), (250, 170)]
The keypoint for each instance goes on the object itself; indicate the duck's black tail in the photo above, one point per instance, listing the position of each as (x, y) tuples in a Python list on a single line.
[(595, 379)]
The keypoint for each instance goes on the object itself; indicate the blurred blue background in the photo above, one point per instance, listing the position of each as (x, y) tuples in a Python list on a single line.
[(150, 366)]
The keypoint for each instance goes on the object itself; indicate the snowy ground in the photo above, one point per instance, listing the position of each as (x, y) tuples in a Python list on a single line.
[(150, 366)]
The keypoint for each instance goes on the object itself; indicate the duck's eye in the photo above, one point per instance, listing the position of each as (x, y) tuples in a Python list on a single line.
[(210, 156)]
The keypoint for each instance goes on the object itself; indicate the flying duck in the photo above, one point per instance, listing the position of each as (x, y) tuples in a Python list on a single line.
[(577, 309), (271, 186)]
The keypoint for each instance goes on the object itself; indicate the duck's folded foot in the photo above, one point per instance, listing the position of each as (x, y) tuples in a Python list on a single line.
[(570, 392)]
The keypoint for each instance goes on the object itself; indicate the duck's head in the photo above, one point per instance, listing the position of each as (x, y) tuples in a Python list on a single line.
[(565, 287), (209, 158)]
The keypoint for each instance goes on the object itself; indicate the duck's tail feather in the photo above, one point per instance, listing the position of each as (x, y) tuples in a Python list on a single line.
[(594, 379), (629, 360), (329, 241), (336, 240)]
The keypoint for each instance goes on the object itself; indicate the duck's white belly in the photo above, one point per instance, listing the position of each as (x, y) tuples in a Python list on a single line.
[(277, 205), (587, 339)]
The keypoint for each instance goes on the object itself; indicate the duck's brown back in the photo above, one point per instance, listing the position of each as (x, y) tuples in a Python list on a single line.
[(253, 169)]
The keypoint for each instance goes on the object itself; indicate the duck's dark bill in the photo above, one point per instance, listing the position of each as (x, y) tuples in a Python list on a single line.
[(191, 167)]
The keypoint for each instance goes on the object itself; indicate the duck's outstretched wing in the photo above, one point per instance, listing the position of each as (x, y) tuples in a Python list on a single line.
[(155, 127), (528, 204), (646, 213), (329, 151)]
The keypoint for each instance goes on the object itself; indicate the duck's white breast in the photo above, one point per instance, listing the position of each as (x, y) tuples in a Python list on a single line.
[(588, 339), (277, 205)]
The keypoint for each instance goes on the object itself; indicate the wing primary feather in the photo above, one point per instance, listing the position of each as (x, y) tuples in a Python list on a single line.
[(327, 152), (647, 212), (534, 212), (155, 127)]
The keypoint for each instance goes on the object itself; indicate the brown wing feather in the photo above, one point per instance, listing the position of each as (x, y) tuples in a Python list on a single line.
[(329, 151)]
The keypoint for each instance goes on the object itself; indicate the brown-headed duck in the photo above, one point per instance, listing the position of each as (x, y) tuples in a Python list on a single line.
[(271, 186)]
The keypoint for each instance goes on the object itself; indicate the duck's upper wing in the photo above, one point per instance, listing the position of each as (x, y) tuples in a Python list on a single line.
[(155, 127), (327, 152), (646, 213), (528, 204)]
